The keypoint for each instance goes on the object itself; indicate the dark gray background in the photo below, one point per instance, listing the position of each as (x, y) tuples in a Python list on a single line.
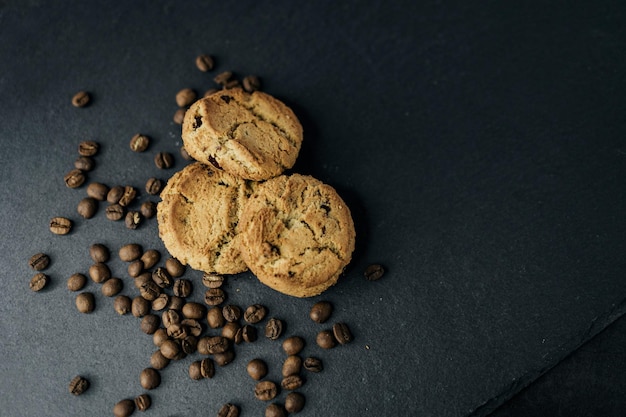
[(479, 146)]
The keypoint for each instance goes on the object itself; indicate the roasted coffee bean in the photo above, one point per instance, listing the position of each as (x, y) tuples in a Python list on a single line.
[(88, 148), (321, 311), (292, 382), (84, 163), (170, 317), (150, 290), (210, 91), (87, 207), (251, 83), (231, 312), (194, 371), (255, 313), (185, 97), (139, 142), (214, 296), (161, 302), (114, 212), (98, 191), (179, 116), (130, 252), (78, 385), (162, 278), (81, 99), (143, 402), (193, 310), (122, 305), (74, 179), (213, 344), (205, 62), (114, 194), (150, 258), (248, 333), (228, 410), (374, 272), (313, 364), (159, 336), (135, 268), (292, 365), (140, 306), (164, 160), (150, 323), (224, 358), (158, 361), (99, 252), (85, 302), (182, 288), (293, 345), (60, 225), (234, 83), (342, 333), (265, 390), (223, 77), (174, 267), (148, 209), (124, 408), (229, 331), (132, 219), (112, 287), (257, 369), (176, 303), (210, 280), (273, 328), (170, 349), (215, 318), (189, 344), (294, 402), (275, 410), (154, 186), (99, 272), (128, 196), (325, 339), (150, 378), (207, 368), (142, 279), (76, 282), (38, 281), (183, 151), (39, 261)]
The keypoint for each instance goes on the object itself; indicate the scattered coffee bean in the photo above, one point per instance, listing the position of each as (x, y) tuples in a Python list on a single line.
[(292, 365), (85, 302), (98, 191), (176, 303), (81, 99), (135, 268), (154, 186), (293, 345), (128, 196), (74, 179), (122, 305), (124, 408), (342, 333), (233, 83), (150, 290), (207, 368), (325, 339), (88, 148), (214, 296), (182, 288), (213, 344), (321, 311), (130, 252), (228, 410), (39, 261), (374, 272), (210, 280), (294, 402), (170, 349), (87, 207), (60, 225), (150, 323), (159, 336), (292, 382), (99, 252), (257, 369), (164, 160), (162, 278), (248, 333), (224, 358), (265, 390), (132, 219), (76, 282), (139, 142), (193, 326), (194, 371), (78, 385), (143, 402), (313, 364), (215, 318), (273, 328), (161, 302), (205, 62), (158, 361), (179, 116), (148, 209), (112, 287), (140, 307), (174, 267), (114, 194), (185, 97), (142, 279), (99, 272), (251, 83), (223, 77), (275, 410), (170, 318), (84, 163), (150, 258), (189, 344), (255, 313), (114, 212), (230, 330), (150, 378), (193, 310), (231, 312), (39, 281)]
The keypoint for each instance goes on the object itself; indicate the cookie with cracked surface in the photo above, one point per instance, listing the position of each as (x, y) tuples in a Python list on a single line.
[(252, 135), (297, 235), (198, 218)]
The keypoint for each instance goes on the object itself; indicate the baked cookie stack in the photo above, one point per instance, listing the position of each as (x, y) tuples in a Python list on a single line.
[(234, 209)]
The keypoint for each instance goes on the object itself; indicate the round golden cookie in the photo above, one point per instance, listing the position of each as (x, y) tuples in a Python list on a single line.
[(198, 218), (251, 135), (297, 235)]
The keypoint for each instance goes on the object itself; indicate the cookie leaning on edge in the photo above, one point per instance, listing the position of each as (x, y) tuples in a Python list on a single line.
[(297, 235), (198, 218), (251, 135)]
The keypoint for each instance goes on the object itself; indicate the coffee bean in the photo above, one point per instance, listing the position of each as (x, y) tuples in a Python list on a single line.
[(158, 361), (150, 323), (234, 83), (189, 344), (74, 179), (224, 358), (374, 272), (248, 333), (230, 330), (139, 142), (255, 313), (39, 261), (99, 252), (78, 385), (112, 287), (231, 312), (213, 344), (215, 318), (142, 279), (265, 390), (148, 209), (162, 278), (60, 225), (223, 77), (81, 99), (193, 310), (170, 349), (294, 402), (114, 212), (182, 288), (174, 267), (164, 160), (87, 207), (193, 326), (275, 410), (135, 268), (84, 163), (76, 282), (342, 333), (39, 281), (130, 252), (293, 345), (273, 328), (140, 306), (204, 62), (161, 302), (292, 365), (88, 148), (132, 219), (251, 83), (114, 194), (257, 369), (99, 272), (194, 371), (313, 364), (98, 191), (321, 311), (128, 196), (124, 408), (176, 303), (185, 97), (179, 116), (150, 290), (150, 378), (159, 336), (122, 305), (228, 410), (154, 186), (211, 280), (177, 331), (207, 368), (214, 296), (170, 318), (143, 402), (85, 302), (326, 340), (292, 382)]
